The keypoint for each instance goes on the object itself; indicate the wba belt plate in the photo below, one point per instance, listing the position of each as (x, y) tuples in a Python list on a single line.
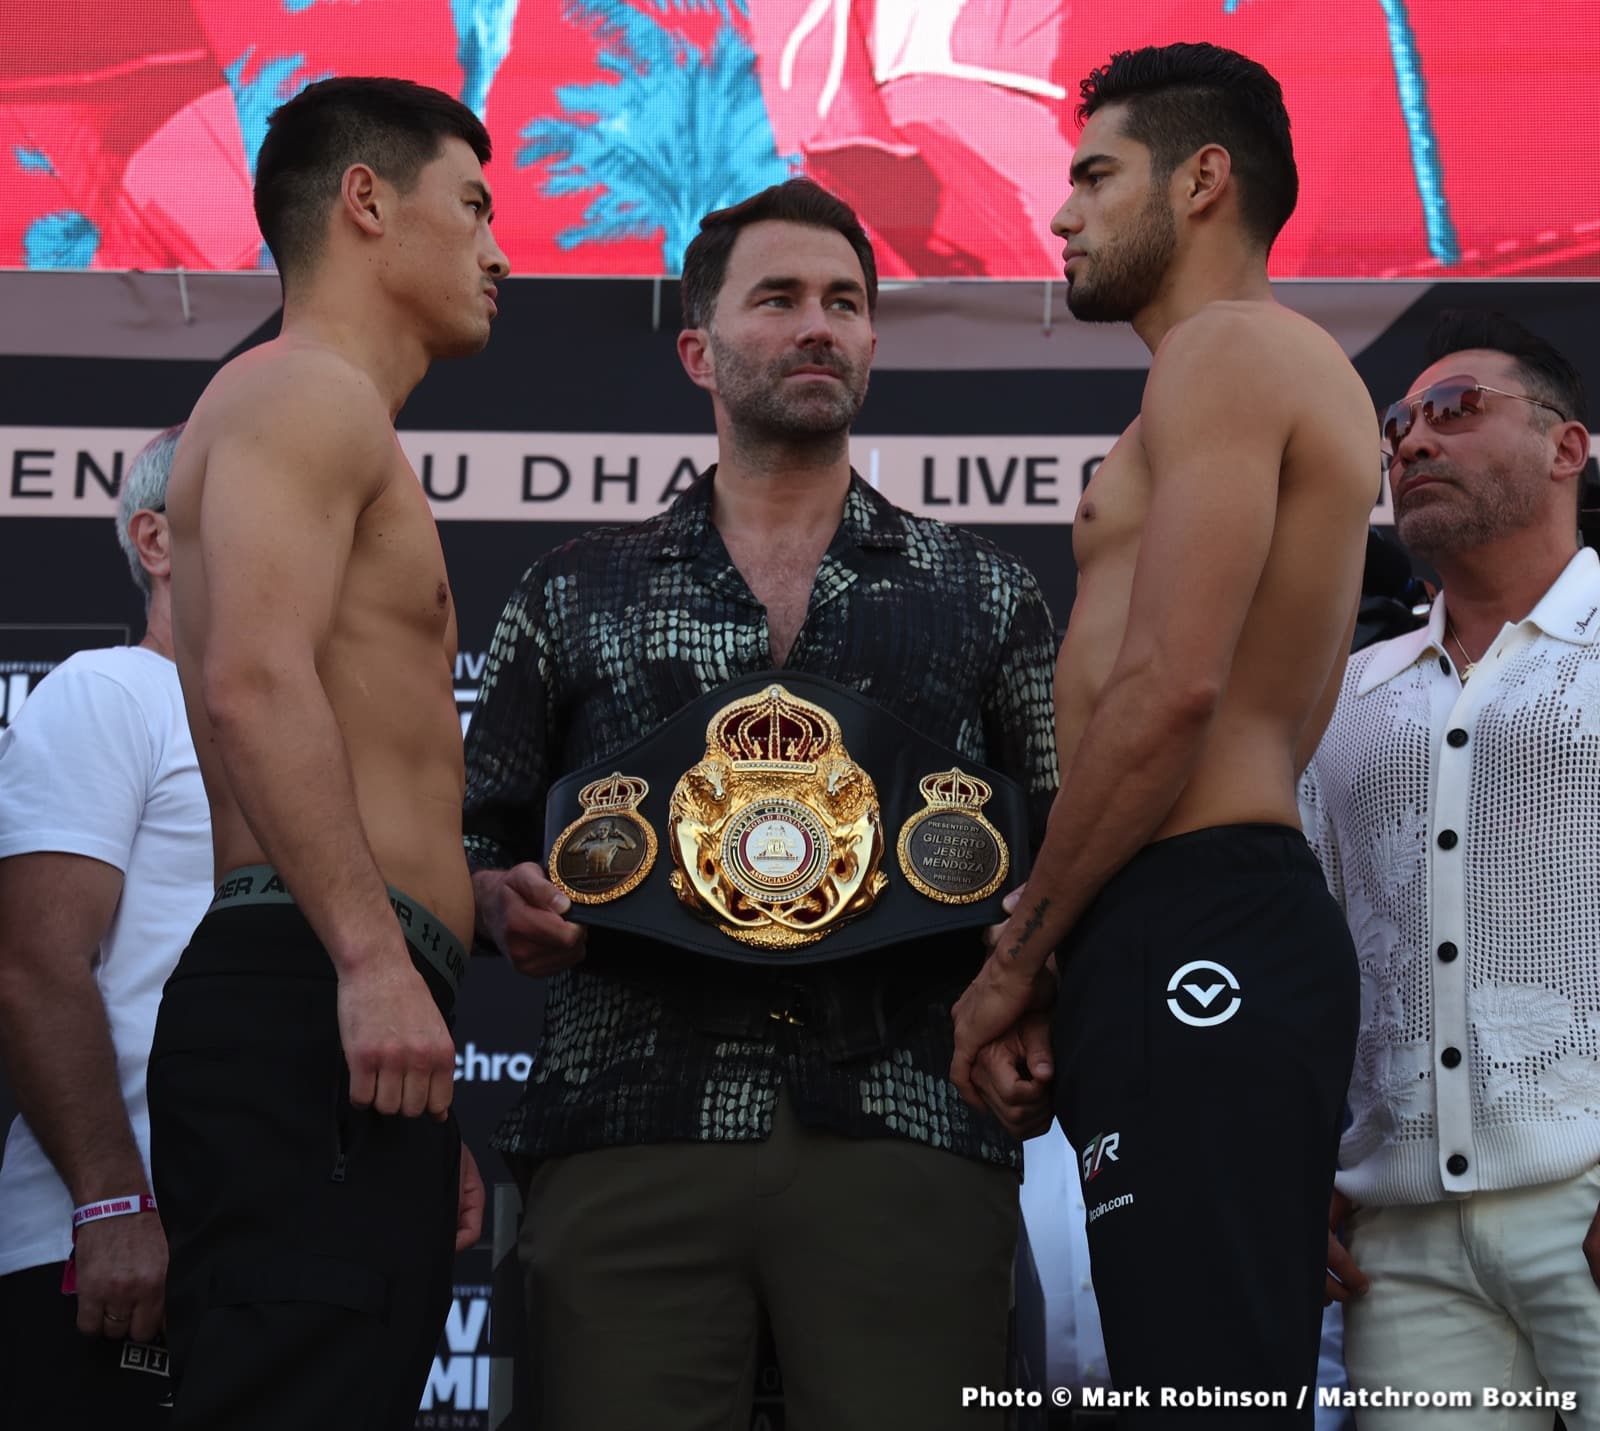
[(949, 851), (787, 794), (776, 831)]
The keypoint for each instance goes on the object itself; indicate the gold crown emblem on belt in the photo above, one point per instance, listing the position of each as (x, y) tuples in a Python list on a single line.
[(609, 849), (776, 831), (615, 792), (956, 789)]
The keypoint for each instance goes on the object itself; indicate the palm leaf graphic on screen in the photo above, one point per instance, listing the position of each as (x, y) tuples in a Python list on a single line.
[(1425, 165), (65, 239), (483, 40), (676, 133), (62, 239), (258, 89)]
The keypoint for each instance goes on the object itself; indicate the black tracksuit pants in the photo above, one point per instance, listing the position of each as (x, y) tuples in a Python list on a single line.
[(311, 1243), (1204, 1037)]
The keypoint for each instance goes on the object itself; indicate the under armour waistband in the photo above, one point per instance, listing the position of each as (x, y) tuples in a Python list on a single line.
[(424, 931)]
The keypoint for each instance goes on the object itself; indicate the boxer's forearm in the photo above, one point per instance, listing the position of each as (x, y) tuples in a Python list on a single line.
[(289, 770), (57, 1044), (1135, 757)]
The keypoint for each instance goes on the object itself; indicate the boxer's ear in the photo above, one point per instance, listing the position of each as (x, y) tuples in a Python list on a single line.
[(1203, 179), (361, 199)]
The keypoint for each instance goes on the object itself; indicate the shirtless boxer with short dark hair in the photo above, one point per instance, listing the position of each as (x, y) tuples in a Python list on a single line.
[(310, 1206), (1207, 1001)]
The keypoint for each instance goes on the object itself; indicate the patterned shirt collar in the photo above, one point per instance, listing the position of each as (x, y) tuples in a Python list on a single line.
[(871, 522)]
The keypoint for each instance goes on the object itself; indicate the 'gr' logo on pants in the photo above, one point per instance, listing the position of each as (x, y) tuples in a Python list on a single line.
[(1195, 994), (1096, 1151)]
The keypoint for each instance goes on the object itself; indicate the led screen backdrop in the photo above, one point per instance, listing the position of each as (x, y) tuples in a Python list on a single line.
[(1437, 138)]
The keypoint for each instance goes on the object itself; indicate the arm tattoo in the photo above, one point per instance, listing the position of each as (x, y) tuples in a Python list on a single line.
[(1033, 926)]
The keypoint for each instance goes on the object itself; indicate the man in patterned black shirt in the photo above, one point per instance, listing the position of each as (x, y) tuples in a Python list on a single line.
[(703, 1139)]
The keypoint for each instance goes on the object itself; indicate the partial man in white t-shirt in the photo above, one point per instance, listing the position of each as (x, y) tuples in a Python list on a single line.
[(105, 868), (1455, 806)]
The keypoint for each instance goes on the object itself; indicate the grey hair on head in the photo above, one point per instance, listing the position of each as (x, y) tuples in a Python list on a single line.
[(144, 487)]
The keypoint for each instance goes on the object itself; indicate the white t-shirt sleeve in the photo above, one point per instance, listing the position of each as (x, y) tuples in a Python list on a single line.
[(75, 768)]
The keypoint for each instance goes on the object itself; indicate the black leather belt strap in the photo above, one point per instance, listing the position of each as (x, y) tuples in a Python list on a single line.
[(894, 754)]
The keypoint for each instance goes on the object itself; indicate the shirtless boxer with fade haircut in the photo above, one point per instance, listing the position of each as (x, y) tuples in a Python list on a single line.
[(1207, 1004), (305, 1165)]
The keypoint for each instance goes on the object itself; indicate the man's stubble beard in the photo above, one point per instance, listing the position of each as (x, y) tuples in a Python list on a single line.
[(1128, 270), (759, 406), (1496, 507)]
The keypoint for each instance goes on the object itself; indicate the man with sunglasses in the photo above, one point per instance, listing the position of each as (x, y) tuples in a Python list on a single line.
[(1208, 1004), (1454, 806)]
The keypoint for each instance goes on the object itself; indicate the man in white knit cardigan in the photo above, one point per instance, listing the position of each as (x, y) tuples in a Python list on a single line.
[(1455, 806)]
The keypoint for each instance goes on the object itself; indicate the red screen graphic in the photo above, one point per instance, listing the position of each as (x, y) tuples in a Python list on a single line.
[(1435, 138)]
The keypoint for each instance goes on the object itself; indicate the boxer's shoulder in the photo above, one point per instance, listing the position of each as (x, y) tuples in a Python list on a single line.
[(1259, 381), (300, 409), (1248, 342), (305, 374)]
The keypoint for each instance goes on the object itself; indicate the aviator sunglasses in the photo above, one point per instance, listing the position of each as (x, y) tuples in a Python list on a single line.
[(1447, 406)]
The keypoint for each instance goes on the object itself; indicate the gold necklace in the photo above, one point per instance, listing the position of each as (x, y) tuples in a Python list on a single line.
[(1468, 665)]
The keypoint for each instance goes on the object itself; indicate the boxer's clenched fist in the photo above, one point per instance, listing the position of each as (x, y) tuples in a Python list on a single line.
[(401, 1056)]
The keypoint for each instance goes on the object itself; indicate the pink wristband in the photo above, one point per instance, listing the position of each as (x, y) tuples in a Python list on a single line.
[(111, 1207)]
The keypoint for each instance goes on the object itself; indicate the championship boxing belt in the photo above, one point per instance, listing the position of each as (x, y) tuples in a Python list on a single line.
[(800, 822)]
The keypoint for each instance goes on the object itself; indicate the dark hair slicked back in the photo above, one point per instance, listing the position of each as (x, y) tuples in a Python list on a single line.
[(393, 125), (1545, 371), (1179, 98), (795, 201)]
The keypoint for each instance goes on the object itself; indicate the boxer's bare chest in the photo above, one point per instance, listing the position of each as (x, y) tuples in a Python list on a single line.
[(1111, 513), (1105, 548)]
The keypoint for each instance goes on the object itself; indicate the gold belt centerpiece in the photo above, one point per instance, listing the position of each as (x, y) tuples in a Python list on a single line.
[(776, 832)]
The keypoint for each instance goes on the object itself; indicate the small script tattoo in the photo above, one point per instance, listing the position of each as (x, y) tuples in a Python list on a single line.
[(1033, 926)]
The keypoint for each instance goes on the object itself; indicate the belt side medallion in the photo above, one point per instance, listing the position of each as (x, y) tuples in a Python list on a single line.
[(776, 832), (949, 851), (609, 849)]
